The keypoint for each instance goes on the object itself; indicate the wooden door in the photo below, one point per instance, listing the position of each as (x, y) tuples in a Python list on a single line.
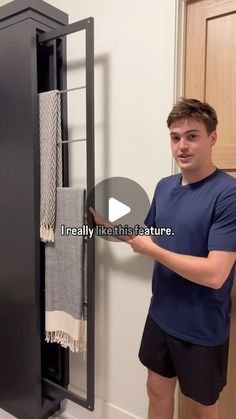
[(210, 75)]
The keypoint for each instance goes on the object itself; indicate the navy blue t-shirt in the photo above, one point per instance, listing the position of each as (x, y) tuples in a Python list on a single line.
[(202, 216)]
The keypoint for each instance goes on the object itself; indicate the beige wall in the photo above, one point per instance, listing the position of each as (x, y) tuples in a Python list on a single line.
[(134, 88)]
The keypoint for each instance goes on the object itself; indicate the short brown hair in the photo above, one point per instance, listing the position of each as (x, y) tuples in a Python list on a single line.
[(193, 108)]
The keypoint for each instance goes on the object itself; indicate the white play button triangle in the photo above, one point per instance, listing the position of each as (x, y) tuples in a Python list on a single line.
[(116, 209), (119, 198)]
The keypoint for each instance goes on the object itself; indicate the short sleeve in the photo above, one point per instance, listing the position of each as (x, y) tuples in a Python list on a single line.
[(222, 234)]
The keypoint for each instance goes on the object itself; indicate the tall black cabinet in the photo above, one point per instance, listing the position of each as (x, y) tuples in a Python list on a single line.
[(33, 375)]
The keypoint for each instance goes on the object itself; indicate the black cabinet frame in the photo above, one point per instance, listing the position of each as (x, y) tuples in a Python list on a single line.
[(33, 59)]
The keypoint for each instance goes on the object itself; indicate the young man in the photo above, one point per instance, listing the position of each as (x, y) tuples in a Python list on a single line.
[(186, 335)]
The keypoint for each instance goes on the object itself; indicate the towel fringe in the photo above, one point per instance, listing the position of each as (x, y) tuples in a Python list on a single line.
[(66, 341), (46, 233)]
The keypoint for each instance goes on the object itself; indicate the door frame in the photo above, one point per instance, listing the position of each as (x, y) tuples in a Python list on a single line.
[(179, 58), (179, 76)]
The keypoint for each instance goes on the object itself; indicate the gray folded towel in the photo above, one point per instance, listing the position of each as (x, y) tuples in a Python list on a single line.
[(65, 282), (50, 160)]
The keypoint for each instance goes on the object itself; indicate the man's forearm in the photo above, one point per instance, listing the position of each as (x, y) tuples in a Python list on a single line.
[(201, 270)]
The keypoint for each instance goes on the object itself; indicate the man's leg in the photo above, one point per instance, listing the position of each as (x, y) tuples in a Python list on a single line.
[(200, 411), (161, 396)]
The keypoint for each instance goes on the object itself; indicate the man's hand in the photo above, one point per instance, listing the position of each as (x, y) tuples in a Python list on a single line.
[(141, 244), (98, 218)]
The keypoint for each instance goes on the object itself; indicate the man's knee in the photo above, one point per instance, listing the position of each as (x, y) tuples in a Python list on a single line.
[(156, 394), (160, 388), (200, 411)]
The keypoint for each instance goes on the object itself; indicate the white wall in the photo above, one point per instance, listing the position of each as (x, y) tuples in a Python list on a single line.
[(134, 72), (134, 87)]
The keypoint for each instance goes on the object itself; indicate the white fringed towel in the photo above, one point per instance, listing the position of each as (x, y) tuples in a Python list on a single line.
[(50, 160), (65, 281)]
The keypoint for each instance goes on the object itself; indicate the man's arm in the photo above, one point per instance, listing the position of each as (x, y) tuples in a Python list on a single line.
[(211, 271)]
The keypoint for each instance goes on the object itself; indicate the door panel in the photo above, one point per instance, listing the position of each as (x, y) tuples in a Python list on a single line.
[(220, 85), (227, 405), (210, 75), (195, 50)]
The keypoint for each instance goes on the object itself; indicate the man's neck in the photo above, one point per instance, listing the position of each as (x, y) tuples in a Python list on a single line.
[(196, 176)]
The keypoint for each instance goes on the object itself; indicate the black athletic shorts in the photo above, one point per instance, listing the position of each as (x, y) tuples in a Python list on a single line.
[(201, 370)]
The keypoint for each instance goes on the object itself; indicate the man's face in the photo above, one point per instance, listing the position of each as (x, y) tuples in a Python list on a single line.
[(191, 145)]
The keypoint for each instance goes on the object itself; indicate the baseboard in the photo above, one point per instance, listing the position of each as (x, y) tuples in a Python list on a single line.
[(103, 410)]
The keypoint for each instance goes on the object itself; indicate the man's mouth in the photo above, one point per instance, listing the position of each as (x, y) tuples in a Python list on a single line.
[(184, 156)]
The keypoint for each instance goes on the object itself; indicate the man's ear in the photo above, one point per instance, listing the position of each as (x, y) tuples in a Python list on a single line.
[(213, 137)]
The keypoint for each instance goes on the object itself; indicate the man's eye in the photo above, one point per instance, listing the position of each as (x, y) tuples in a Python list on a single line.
[(192, 136), (175, 139)]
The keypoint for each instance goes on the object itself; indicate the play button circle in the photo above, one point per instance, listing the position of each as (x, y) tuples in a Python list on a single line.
[(123, 202)]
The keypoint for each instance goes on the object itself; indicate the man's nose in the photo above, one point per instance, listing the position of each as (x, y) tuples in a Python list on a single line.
[(183, 144)]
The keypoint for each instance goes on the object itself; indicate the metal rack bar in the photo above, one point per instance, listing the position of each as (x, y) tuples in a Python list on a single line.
[(70, 90), (72, 141), (90, 191), (65, 30)]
